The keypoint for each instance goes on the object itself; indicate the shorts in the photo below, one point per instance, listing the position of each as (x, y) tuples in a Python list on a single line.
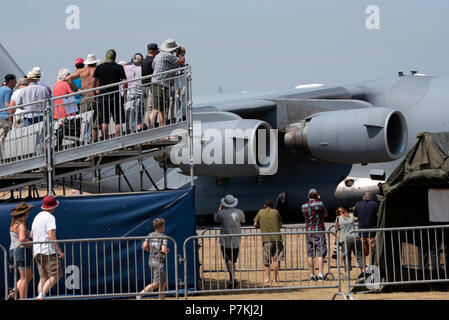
[(24, 257), (88, 104), (4, 127), (158, 273), (48, 265), (111, 106), (368, 246), (316, 245), (230, 254), (272, 250), (353, 246)]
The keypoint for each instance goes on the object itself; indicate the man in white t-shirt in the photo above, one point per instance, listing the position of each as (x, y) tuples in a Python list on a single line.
[(43, 229)]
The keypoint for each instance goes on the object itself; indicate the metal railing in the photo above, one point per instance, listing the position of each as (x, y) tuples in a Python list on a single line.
[(4, 268), (212, 274), (99, 268), (399, 256), (43, 128)]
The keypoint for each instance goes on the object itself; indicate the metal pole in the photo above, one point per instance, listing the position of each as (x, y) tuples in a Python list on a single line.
[(48, 141), (190, 120)]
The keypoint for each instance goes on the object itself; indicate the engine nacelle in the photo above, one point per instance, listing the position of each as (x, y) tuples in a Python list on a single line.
[(351, 136), (231, 148)]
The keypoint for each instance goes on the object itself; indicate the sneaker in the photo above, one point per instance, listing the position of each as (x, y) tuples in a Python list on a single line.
[(320, 277), (313, 277), (138, 297), (232, 284)]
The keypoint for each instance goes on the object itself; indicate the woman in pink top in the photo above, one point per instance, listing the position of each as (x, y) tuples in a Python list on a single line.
[(61, 88)]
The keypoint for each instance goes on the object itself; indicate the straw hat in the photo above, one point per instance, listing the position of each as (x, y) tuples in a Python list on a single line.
[(91, 59), (21, 208), (37, 72)]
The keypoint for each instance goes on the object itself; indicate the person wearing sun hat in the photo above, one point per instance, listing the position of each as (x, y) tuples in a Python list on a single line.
[(19, 233), (43, 230), (171, 56), (230, 219), (86, 76)]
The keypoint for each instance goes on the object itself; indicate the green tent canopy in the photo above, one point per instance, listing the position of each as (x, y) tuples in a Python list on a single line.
[(404, 202)]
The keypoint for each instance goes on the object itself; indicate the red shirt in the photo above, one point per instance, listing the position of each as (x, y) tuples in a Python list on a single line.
[(60, 88)]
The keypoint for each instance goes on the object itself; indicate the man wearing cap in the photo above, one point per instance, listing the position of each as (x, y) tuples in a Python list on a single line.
[(107, 73), (33, 113), (230, 218), (46, 254), (5, 99), (87, 82), (146, 70), (172, 56), (269, 221), (314, 213)]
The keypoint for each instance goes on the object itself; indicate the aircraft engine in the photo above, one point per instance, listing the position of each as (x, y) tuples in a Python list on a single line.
[(231, 148), (351, 136)]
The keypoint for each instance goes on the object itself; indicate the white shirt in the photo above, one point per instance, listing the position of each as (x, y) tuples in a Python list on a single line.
[(43, 223)]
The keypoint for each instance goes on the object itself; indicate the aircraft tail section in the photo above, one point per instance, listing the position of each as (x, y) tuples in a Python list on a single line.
[(8, 65)]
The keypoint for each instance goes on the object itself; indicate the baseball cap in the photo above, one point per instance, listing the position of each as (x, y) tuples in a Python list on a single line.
[(312, 191), (78, 61), (152, 46), (110, 55)]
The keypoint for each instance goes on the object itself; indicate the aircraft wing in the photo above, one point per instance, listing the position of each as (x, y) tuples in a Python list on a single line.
[(8, 65)]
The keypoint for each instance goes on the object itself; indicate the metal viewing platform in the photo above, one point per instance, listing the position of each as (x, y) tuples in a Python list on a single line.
[(52, 139)]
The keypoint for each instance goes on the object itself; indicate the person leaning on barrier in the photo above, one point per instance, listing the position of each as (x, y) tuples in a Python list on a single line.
[(135, 100), (350, 241), (17, 120), (366, 213), (157, 246), (110, 104), (88, 102), (269, 221), (172, 56), (19, 233), (230, 219), (46, 255), (152, 115), (33, 113), (5, 99), (314, 213)]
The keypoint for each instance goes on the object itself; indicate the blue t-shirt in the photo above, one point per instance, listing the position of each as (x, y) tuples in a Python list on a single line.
[(5, 96), (77, 83)]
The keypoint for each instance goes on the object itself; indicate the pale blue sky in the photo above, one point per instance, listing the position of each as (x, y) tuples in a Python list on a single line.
[(253, 45)]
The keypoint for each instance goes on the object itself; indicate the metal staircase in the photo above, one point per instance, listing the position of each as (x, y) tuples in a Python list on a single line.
[(54, 148)]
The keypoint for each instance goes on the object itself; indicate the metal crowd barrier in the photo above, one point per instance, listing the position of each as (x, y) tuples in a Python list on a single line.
[(111, 111), (100, 268), (212, 276), (399, 256), (4, 264)]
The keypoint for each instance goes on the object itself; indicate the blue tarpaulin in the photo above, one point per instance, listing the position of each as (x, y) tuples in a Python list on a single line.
[(114, 266)]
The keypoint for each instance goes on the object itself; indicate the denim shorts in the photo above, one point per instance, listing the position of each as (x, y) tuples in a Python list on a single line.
[(24, 257)]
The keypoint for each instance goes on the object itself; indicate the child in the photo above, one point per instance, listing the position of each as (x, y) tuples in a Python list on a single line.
[(156, 245)]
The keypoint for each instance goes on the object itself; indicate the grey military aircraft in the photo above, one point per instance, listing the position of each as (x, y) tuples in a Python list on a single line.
[(341, 140)]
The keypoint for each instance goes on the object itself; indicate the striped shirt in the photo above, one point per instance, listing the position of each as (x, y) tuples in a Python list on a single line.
[(314, 212), (164, 61), (33, 92)]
